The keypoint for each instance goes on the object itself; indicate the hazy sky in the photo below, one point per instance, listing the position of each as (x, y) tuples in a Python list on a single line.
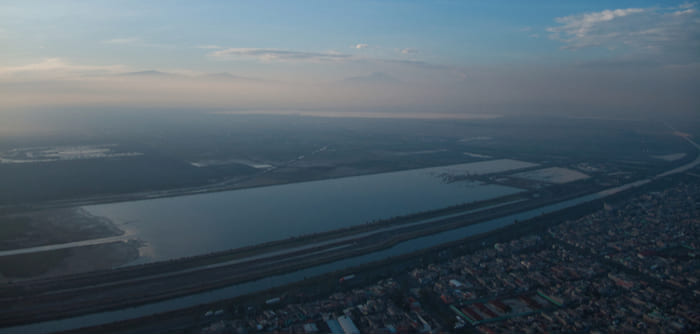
[(583, 57)]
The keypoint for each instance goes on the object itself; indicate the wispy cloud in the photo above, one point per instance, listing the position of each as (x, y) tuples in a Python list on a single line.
[(674, 31), (268, 55), (372, 78), (147, 73), (208, 46), (123, 40), (281, 55), (582, 30), (416, 63), (133, 41), (618, 64), (57, 66)]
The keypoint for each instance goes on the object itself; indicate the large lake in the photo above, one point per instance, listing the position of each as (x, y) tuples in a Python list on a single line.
[(197, 224)]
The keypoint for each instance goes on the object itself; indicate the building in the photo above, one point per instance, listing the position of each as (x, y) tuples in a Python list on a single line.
[(347, 325), (334, 326)]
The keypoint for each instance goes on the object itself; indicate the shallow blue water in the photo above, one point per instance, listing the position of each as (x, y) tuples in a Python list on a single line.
[(203, 223)]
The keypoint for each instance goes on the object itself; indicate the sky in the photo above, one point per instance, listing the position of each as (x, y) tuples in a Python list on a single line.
[(603, 58)]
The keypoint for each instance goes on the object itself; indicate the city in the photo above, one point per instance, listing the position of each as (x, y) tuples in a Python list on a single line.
[(629, 267)]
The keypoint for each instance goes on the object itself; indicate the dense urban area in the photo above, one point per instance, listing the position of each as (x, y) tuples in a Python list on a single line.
[(629, 267)]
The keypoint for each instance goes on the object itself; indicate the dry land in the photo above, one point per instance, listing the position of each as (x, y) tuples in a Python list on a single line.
[(67, 261), (54, 226)]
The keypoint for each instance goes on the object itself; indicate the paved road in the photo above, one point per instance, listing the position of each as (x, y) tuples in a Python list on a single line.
[(65, 245)]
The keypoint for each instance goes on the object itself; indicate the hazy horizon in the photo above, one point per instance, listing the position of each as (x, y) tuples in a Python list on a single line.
[(601, 59)]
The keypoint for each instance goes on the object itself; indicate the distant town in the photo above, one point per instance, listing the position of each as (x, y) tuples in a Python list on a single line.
[(629, 267)]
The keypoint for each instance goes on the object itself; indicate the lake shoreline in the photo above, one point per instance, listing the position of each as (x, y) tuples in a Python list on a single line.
[(241, 184)]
